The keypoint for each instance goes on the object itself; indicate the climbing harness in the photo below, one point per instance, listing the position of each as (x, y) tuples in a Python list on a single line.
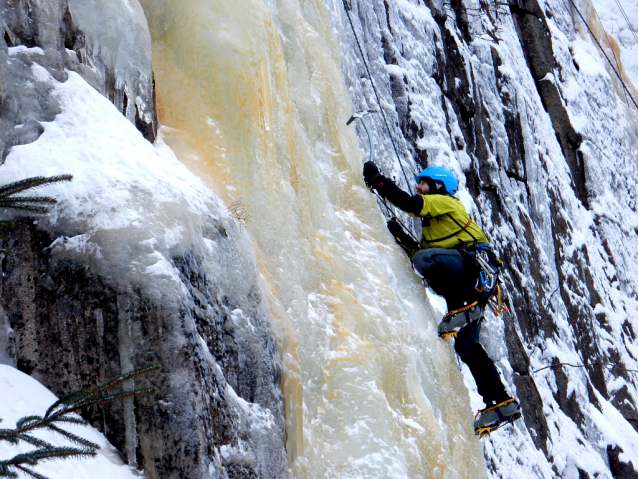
[(463, 228)]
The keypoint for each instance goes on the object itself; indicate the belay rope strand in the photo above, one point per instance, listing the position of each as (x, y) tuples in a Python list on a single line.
[(361, 116), (376, 93), (387, 126), (605, 54)]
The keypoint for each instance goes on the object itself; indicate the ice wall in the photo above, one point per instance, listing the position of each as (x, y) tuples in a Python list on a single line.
[(256, 101)]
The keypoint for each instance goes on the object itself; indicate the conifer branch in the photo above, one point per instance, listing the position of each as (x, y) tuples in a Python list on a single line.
[(25, 422), (73, 438), (29, 183), (33, 440), (27, 199), (113, 397), (38, 210), (64, 411), (29, 472), (83, 396), (31, 204), (6, 472)]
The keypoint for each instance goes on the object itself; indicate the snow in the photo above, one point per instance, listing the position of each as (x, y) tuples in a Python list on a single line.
[(113, 197), (24, 396), (22, 49)]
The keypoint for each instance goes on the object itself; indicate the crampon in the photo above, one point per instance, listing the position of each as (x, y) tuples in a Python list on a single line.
[(493, 418), (455, 320)]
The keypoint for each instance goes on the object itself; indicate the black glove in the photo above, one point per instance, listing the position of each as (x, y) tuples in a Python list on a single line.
[(402, 238), (370, 171)]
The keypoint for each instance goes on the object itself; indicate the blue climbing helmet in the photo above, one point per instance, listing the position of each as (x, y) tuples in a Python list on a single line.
[(441, 175)]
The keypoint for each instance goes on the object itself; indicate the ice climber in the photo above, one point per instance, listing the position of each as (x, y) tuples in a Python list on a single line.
[(455, 259)]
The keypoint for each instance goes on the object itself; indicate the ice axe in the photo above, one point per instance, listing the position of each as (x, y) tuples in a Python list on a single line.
[(361, 115)]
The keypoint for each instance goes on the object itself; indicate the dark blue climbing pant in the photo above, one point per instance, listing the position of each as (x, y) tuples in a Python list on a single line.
[(449, 273), (488, 381), (452, 274)]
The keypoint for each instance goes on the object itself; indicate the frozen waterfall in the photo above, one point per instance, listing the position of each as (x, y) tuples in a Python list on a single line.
[(253, 98)]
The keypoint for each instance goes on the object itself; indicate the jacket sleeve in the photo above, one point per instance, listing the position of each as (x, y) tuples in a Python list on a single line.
[(399, 198)]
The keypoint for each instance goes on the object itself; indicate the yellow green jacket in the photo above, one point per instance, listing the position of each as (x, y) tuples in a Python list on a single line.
[(439, 228)]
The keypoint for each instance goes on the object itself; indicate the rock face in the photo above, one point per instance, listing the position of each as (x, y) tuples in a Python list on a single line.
[(219, 412), (61, 36), (497, 94)]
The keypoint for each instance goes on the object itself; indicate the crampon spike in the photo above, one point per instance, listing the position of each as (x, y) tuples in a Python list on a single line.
[(446, 336), (484, 431)]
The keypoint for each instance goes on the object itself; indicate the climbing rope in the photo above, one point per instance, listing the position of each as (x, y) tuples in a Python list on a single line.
[(602, 363), (376, 93), (612, 51), (624, 14), (605, 54)]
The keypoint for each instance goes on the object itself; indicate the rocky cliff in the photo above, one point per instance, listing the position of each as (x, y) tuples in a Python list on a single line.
[(519, 99)]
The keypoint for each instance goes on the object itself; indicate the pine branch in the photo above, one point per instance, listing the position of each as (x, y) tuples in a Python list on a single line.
[(28, 420), (72, 420), (114, 397), (73, 438), (29, 183), (119, 380), (29, 472), (40, 210), (27, 199), (69, 399), (33, 440), (33, 457), (8, 435), (6, 472), (64, 411), (80, 399)]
